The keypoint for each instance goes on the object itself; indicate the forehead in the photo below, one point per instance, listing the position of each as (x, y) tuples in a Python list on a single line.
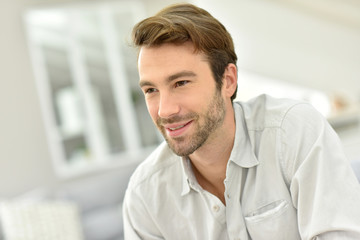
[(160, 61), (165, 52)]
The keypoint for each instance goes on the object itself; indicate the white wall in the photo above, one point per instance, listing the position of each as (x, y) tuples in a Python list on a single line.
[(312, 43), (24, 158)]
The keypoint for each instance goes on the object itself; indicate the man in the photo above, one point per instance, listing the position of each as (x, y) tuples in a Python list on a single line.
[(265, 169)]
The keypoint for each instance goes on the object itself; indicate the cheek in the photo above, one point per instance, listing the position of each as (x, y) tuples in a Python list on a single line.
[(152, 107)]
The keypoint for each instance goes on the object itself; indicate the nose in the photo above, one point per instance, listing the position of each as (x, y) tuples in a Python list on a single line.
[(168, 106)]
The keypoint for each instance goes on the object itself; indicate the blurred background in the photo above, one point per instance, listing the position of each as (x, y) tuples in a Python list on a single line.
[(69, 97), (70, 106)]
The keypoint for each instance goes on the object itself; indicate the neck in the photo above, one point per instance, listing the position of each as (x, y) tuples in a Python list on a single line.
[(210, 161)]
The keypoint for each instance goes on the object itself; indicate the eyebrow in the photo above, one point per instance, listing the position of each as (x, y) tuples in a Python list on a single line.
[(181, 74), (171, 78)]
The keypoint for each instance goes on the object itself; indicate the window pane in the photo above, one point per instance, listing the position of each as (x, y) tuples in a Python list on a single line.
[(149, 134)]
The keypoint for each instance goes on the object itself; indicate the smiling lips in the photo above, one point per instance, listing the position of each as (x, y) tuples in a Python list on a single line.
[(176, 130), (172, 129)]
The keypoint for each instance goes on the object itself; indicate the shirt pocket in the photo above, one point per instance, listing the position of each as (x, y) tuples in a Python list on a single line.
[(276, 220)]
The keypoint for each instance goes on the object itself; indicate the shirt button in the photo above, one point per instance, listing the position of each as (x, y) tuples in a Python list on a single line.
[(228, 196), (216, 208)]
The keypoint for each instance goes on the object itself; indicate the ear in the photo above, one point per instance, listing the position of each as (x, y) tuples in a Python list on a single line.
[(230, 80)]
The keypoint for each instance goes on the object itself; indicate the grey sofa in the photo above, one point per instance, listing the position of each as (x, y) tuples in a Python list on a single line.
[(355, 164), (98, 197)]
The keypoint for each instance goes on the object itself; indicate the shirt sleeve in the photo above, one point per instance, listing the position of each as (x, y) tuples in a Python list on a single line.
[(323, 186), (137, 221)]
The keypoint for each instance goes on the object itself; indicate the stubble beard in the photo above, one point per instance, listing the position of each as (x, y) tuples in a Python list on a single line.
[(212, 119)]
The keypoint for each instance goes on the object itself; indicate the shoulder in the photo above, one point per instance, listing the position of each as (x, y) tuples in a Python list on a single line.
[(265, 111), (158, 166)]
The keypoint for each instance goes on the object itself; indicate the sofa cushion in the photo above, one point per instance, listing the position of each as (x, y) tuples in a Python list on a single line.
[(91, 192), (103, 223)]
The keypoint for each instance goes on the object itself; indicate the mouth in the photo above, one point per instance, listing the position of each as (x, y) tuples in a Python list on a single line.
[(175, 130)]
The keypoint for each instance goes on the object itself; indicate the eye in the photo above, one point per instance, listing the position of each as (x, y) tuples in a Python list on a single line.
[(150, 90), (181, 83)]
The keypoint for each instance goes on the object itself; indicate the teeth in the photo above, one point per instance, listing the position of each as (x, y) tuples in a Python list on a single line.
[(172, 129)]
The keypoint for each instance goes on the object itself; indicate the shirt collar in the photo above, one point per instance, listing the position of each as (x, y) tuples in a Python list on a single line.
[(188, 176), (242, 153)]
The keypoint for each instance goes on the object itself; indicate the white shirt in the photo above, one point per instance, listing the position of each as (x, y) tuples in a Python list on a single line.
[(287, 178)]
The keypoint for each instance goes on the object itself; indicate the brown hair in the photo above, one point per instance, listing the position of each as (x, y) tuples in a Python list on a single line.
[(180, 23)]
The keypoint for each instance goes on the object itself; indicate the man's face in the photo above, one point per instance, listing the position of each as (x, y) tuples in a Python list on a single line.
[(181, 95)]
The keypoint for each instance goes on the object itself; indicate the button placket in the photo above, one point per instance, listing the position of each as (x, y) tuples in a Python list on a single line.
[(216, 208), (233, 183), (228, 196)]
